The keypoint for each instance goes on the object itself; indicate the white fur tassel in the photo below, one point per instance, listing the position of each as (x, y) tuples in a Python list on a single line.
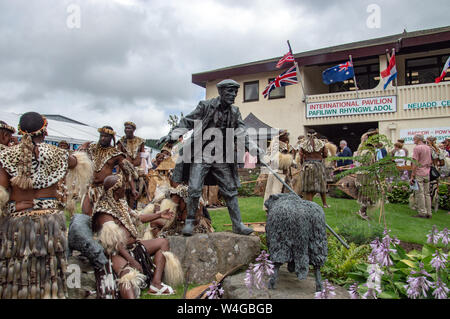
[(150, 208), (110, 236), (148, 233), (173, 272), (168, 204), (78, 178), (285, 161), (4, 198), (133, 279)]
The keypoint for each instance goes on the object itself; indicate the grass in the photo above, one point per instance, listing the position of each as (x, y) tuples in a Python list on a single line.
[(398, 217)]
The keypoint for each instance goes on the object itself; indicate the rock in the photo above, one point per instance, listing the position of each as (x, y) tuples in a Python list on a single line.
[(80, 278), (287, 287), (204, 255)]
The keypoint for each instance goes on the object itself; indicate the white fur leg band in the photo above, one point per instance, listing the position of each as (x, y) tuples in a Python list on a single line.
[(133, 279)]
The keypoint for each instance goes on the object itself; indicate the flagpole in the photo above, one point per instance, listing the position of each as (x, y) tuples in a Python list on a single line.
[(396, 78), (354, 77), (305, 96)]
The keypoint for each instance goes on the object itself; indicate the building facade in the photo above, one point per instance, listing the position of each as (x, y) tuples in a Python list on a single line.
[(413, 103)]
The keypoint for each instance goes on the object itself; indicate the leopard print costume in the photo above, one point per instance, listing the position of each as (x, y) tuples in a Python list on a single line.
[(33, 241), (132, 146), (100, 155), (47, 170)]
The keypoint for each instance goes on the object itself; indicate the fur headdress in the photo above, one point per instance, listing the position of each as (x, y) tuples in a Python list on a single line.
[(7, 127), (130, 123)]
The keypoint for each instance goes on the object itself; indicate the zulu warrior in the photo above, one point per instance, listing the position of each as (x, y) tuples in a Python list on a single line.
[(105, 157), (313, 176), (215, 115), (33, 225), (115, 224), (6, 133), (280, 155), (133, 147)]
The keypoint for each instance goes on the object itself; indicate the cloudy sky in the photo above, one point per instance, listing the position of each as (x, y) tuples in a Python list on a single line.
[(103, 62)]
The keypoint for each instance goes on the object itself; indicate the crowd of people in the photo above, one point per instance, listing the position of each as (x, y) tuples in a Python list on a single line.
[(314, 160), (134, 206), (39, 181)]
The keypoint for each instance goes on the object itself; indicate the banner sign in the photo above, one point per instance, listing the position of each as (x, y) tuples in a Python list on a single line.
[(373, 105), (426, 105), (441, 133)]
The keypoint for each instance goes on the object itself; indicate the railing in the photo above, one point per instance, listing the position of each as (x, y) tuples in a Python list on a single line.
[(430, 92)]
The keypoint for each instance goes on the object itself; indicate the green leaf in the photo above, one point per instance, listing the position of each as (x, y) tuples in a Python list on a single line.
[(388, 295), (428, 251), (409, 263)]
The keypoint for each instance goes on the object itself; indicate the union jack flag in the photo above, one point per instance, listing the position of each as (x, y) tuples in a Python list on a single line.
[(345, 66), (288, 77), (288, 57)]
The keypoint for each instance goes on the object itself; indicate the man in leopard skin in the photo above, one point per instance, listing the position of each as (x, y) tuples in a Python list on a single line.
[(32, 223)]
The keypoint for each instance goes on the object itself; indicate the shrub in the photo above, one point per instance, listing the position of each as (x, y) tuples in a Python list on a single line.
[(398, 193), (358, 231), (392, 273), (341, 260), (444, 197)]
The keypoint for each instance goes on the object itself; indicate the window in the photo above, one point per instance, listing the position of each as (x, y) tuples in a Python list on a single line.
[(251, 91), (277, 93), (367, 77), (425, 70)]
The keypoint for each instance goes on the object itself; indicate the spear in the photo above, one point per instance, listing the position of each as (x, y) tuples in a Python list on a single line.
[(288, 187)]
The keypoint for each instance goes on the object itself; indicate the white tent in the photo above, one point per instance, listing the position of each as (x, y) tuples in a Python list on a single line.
[(74, 134)]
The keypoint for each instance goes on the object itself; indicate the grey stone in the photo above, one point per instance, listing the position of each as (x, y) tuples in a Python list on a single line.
[(87, 287), (202, 256), (288, 286)]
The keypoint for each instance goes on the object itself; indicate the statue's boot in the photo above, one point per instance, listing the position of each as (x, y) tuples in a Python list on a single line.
[(235, 215), (192, 205)]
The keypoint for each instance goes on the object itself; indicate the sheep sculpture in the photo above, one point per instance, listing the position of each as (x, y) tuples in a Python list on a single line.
[(296, 235)]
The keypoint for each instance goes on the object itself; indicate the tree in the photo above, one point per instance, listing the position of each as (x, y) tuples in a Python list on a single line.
[(378, 171), (174, 120)]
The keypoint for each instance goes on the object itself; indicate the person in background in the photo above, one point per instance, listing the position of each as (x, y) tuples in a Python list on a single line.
[(399, 151), (381, 151), (421, 174), (344, 152)]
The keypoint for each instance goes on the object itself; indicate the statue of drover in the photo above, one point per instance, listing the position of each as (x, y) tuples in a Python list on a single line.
[(218, 114)]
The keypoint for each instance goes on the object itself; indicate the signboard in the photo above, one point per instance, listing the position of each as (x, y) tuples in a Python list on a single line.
[(426, 105), (373, 105), (441, 133)]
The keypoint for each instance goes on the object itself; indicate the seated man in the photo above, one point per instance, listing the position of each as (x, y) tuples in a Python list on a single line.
[(114, 223)]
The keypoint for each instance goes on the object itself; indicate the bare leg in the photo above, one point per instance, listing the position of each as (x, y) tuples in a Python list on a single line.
[(118, 264), (156, 247), (309, 196), (324, 200), (274, 277)]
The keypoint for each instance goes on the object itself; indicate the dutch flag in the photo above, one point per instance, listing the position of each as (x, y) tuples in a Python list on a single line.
[(444, 71), (390, 73)]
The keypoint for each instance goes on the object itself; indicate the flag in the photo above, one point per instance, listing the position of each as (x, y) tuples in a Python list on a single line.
[(338, 73), (288, 77), (390, 73), (444, 71), (288, 57)]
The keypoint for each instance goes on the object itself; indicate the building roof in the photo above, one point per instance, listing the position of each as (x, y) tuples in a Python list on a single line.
[(251, 121), (58, 130), (62, 118), (406, 42)]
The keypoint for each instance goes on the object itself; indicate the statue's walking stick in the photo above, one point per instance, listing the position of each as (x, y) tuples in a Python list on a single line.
[(288, 187)]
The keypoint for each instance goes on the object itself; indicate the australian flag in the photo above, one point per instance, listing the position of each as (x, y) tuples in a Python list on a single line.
[(338, 73), (288, 77)]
